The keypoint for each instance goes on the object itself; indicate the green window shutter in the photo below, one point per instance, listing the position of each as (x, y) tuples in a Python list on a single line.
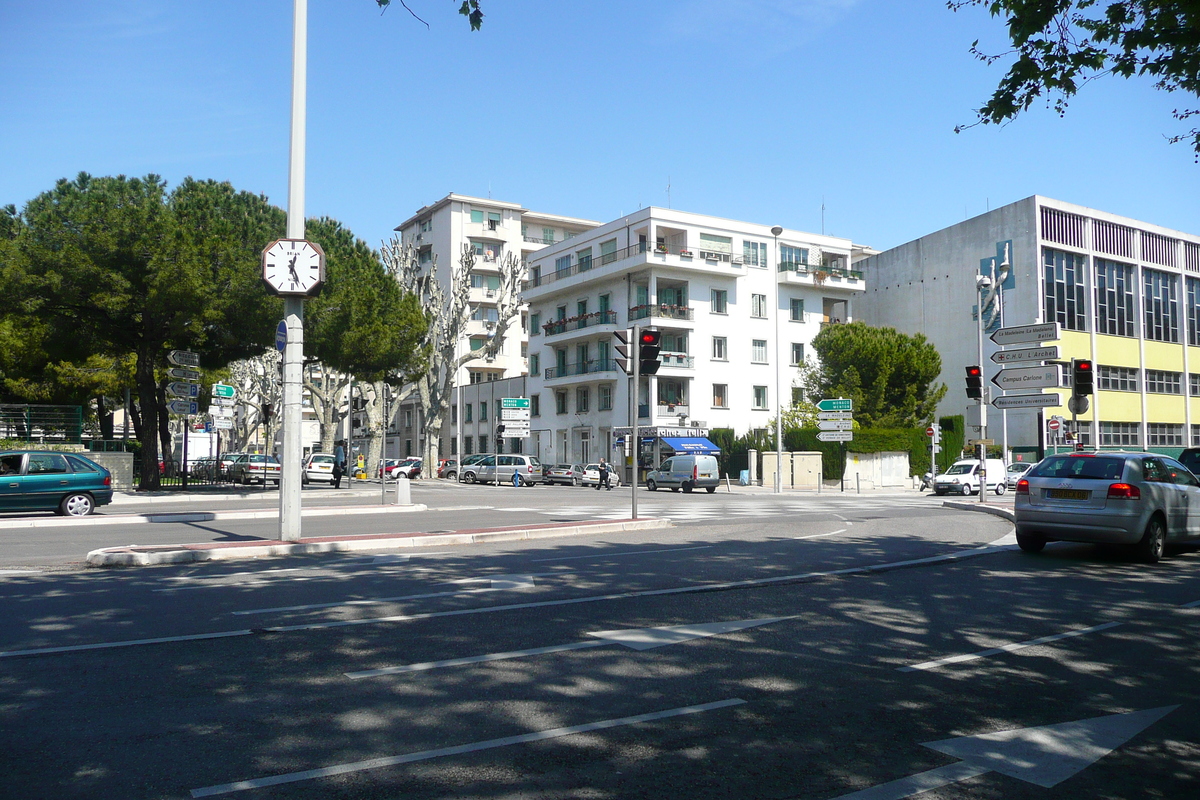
[(476, 216)]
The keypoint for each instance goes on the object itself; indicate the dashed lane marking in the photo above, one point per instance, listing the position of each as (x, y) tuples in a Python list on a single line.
[(1007, 648)]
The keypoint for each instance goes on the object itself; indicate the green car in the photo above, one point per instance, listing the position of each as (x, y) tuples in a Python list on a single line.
[(66, 483)]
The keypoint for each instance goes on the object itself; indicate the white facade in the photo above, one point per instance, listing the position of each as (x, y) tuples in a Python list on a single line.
[(737, 307)]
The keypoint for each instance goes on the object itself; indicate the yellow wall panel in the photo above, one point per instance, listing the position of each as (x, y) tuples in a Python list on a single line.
[(1074, 344), (1120, 406), (1160, 355), (1160, 408), (1117, 351)]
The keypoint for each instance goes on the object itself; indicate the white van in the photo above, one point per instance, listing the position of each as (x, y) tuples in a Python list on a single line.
[(685, 472), (963, 477)]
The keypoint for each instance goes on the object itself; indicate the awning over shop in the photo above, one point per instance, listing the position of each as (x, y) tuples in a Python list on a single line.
[(702, 446)]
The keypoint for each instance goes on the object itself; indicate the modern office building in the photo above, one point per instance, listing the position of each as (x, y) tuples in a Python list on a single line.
[(737, 305), (1125, 293), (493, 230)]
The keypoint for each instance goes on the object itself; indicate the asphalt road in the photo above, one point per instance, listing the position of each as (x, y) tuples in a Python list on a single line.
[(856, 631)]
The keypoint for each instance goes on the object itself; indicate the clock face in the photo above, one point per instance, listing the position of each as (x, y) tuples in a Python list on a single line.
[(294, 267)]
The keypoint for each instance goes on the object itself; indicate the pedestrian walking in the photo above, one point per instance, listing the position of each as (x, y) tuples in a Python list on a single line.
[(338, 470), (603, 481)]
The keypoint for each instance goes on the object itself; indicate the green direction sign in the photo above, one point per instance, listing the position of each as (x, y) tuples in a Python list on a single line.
[(514, 402), (840, 404), (221, 390)]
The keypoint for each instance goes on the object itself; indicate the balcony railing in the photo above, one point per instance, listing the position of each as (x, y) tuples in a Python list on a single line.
[(538, 278), (681, 360), (820, 273), (661, 310), (579, 323), (581, 368), (539, 239)]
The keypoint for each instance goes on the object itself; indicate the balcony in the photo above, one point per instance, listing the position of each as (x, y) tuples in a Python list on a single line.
[(557, 326), (661, 310), (589, 367), (795, 272), (677, 360)]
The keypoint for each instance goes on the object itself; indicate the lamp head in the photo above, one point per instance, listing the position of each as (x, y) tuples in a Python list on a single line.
[(983, 281), (776, 230)]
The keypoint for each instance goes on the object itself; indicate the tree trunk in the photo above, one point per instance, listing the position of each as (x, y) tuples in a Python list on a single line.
[(148, 416), (104, 416), (164, 427)]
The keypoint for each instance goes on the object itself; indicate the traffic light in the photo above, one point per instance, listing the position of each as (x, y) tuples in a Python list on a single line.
[(500, 438), (648, 349), (1081, 377), (268, 411), (975, 383), (622, 348)]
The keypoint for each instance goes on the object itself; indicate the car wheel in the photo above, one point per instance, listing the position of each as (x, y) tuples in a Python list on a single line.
[(468, 477), (76, 505), (304, 478), (652, 486), (576, 482), (1000, 488), (966, 490), (710, 489), (1154, 541), (1030, 543), (687, 487)]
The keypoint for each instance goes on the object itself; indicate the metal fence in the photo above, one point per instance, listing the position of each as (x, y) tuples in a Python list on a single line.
[(38, 424)]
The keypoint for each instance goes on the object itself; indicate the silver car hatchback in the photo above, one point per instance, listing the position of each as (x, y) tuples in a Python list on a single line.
[(1142, 499)]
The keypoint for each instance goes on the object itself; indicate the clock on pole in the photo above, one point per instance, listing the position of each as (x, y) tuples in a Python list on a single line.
[(294, 267)]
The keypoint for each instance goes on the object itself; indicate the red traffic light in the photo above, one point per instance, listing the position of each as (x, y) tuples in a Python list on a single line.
[(1083, 365), (974, 372), (651, 337)]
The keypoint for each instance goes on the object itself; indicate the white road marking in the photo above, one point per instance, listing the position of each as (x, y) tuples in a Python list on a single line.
[(620, 555), (819, 535), (1008, 538), (921, 782), (633, 638), (1008, 648), (19, 572), (1192, 604), (391, 761), (501, 583), (75, 648)]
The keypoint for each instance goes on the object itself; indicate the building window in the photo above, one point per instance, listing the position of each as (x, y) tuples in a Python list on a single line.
[(720, 395), (468, 445), (454, 446), (604, 397), (605, 305), (760, 398), (714, 246), (1119, 434), (792, 259), (535, 324), (560, 402), (1164, 434), (547, 235), (1114, 298), (467, 413), (453, 415), (1193, 310), (720, 348), (562, 264), (584, 258), (797, 354), (483, 444), (1118, 379), (1196, 436), (535, 405), (491, 376), (758, 351), (754, 253), (758, 306), (720, 301), (476, 215), (483, 410), (535, 363), (485, 314), (797, 304), (582, 400), (1162, 382), (608, 251), (1064, 300), (1161, 297)]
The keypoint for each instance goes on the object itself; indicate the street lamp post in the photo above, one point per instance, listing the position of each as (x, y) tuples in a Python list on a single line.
[(778, 381), (982, 284)]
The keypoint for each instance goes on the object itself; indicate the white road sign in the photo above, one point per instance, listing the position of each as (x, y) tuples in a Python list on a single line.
[(183, 407), (835, 436), (181, 389), (1018, 334), (1021, 378), (183, 358), (223, 401), (514, 413), (836, 424), (835, 415), (223, 423), (183, 374), (220, 411), (1027, 401), (1027, 354)]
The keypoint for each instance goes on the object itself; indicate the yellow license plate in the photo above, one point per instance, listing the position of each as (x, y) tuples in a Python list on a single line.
[(1068, 494)]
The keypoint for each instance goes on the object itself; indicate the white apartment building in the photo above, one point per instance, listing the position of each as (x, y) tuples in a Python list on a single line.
[(737, 305), (493, 229)]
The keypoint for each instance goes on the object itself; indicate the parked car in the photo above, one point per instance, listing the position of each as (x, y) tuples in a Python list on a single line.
[(254, 468), (227, 460), (409, 468), (566, 474), (203, 469), (66, 483), (467, 461), (1016, 471), (527, 467), (1190, 458), (318, 467), (591, 476), (1145, 500), (686, 472), (447, 468), (386, 467), (963, 477)]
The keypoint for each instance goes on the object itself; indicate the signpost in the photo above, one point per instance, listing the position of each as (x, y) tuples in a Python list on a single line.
[(183, 358), (1020, 334), (1028, 401), (839, 404), (180, 389), (514, 412), (836, 436), (221, 390), (835, 415), (835, 425), (183, 374), (186, 407), (281, 336), (1025, 354), (835, 418), (1033, 377)]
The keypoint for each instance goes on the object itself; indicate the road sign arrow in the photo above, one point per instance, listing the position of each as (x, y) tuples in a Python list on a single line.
[(183, 358), (835, 404), (183, 374), (1027, 354), (835, 436), (1045, 756), (835, 425), (1032, 377), (1021, 334), (181, 389), (633, 638)]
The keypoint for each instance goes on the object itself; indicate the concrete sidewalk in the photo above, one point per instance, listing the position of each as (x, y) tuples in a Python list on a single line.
[(54, 521), (138, 555)]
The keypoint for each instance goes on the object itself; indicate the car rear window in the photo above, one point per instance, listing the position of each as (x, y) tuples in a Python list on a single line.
[(79, 465), (1095, 468)]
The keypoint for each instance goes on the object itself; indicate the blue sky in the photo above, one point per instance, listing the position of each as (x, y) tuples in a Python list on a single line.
[(760, 110)]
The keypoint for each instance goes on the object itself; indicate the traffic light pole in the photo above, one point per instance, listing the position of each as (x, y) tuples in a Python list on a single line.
[(635, 360)]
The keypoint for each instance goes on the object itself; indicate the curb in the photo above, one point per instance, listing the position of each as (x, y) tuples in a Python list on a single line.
[(138, 556), (200, 516), (995, 511)]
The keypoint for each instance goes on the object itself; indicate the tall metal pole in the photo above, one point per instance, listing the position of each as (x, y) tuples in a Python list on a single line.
[(980, 285), (293, 352), (778, 381), (635, 352)]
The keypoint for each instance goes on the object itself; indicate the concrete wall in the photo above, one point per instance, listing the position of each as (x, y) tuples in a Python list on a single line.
[(801, 469), (877, 470), (119, 464)]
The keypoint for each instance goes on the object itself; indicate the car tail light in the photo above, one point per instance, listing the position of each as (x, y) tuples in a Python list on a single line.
[(1124, 491), (108, 480), (695, 472), (1022, 486)]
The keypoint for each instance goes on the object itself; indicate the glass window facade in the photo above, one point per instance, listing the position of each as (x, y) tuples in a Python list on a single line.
[(1114, 298), (1063, 298), (1161, 298)]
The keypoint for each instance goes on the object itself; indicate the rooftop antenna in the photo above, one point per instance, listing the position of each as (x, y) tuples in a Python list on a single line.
[(668, 191), (822, 215)]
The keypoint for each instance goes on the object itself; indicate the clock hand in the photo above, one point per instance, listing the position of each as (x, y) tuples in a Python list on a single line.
[(292, 269)]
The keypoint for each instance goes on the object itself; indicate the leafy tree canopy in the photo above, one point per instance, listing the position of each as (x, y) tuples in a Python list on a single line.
[(1059, 45), (889, 375)]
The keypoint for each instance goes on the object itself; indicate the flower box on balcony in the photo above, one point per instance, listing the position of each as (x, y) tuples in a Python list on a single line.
[(662, 248), (685, 253)]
